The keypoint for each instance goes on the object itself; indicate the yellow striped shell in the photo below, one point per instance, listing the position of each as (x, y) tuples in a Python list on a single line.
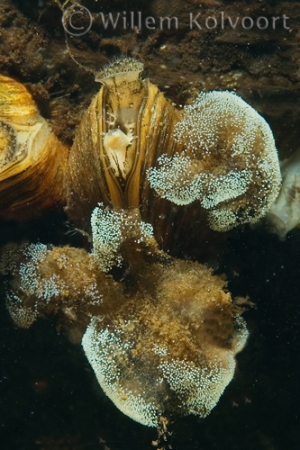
[(32, 160), (128, 125)]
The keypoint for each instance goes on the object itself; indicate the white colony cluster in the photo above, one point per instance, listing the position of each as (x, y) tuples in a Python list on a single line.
[(222, 219), (107, 236), (166, 348), (108, 351), (200, 383), (125, 68), (34, 252), (22, 315), (28, 281), (123, 379), (229, 156), (214, 115), (175, 179), (110, 229), (46, 279), (225, 187), (148, 382), (33, 285), (201, 387)]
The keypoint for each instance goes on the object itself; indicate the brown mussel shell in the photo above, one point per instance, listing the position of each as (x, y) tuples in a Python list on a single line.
[(32, 159), (128, 125)]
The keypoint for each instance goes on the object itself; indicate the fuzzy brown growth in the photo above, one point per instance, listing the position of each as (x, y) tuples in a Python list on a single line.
[(161, 341)]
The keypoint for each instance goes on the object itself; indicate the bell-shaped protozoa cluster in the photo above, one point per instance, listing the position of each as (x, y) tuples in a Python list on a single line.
[(59, 280), (284, 214), (161, 343), (229, 161), (170, 350)]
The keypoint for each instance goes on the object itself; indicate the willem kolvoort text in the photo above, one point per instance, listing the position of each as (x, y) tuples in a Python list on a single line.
[(136, 20)]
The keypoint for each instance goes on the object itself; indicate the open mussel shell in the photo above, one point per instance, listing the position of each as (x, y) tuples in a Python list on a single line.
[(128, 125)]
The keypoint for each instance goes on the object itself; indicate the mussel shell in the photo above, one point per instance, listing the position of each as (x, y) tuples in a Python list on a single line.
[(32, 159), (143, 114)]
